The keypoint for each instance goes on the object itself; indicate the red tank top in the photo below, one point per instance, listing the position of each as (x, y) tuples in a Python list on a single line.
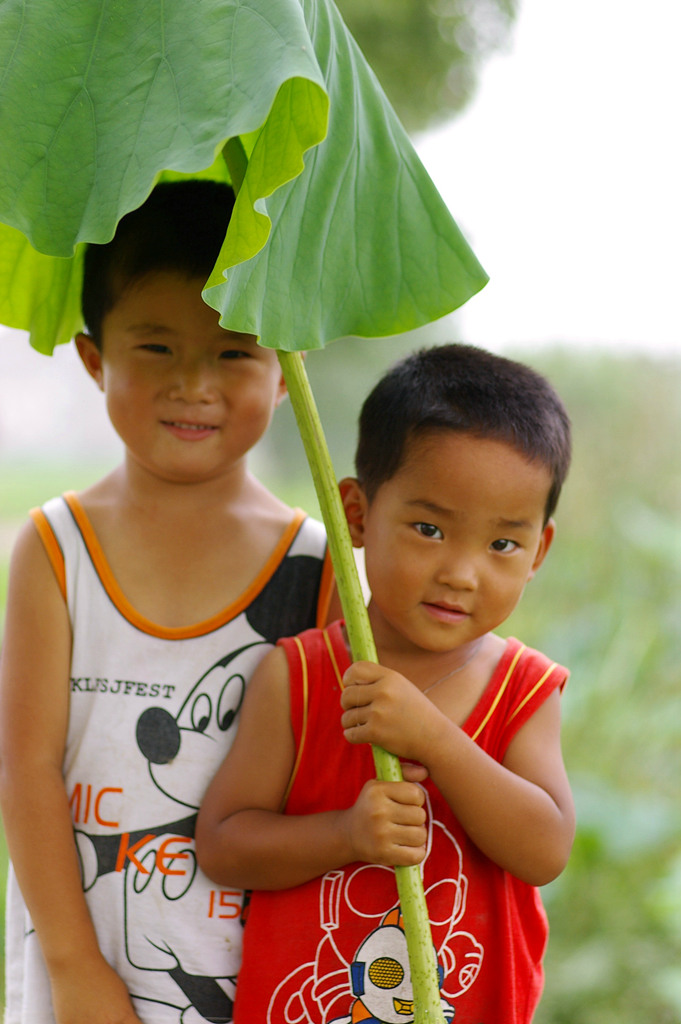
[(333, 949)]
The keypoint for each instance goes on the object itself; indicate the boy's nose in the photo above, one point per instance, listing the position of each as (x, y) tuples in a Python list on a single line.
[(193, 382), (459, 572)]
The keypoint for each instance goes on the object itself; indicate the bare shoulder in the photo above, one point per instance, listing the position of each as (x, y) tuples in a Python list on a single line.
[(257, 769), (267, 694), (35, 604), (108, 507), (262, 514), (109, 490), (264, 719), (31, 571), (36, 651)]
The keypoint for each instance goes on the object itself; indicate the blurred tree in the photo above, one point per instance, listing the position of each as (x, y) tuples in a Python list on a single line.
[(426, 53)]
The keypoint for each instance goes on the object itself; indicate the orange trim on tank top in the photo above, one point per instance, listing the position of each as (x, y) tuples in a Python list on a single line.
[(326, 586), (51, 545), (145, 625)]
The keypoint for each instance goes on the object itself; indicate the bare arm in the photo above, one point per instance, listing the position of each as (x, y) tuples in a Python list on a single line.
[(34, 705), (519, 813), (243, 839)]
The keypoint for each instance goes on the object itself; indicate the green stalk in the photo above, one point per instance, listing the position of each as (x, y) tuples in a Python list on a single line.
[(422, 959)]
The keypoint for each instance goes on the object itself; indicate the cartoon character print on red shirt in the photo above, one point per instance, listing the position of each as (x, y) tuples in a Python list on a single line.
[(374, 976)]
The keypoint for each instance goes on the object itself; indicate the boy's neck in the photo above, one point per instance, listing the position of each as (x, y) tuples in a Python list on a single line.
[(239, 494), (182, 553), (142, 489)]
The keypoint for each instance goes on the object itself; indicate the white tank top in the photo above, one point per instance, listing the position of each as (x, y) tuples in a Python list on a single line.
[(152, 715)]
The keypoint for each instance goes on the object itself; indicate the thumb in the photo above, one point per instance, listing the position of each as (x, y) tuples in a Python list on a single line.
[(412, 772)]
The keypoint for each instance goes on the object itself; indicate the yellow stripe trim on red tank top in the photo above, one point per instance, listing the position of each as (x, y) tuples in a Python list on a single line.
[(500, 692), (303, 731)]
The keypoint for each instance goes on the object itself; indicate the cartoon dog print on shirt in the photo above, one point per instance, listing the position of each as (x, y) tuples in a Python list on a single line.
[(162, 884)]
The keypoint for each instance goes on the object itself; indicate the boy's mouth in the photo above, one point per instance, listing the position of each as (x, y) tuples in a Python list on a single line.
[(446, 612), (191, 431), (188, 426)]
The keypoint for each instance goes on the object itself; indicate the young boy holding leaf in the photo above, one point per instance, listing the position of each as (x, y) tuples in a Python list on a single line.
[(461, 459)]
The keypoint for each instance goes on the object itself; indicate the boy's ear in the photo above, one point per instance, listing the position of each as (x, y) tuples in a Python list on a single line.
[(545, 542), (91, 358), (282, 392), (355, 505)]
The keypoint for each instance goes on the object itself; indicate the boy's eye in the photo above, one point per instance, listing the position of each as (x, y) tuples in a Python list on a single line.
[(503, 545), (234, 353), (154, 346), (428, 530)]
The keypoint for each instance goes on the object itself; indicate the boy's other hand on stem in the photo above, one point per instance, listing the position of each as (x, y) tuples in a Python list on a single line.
[(386, 824)]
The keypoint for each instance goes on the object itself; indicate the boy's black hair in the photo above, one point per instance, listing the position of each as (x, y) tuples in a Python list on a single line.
[(467, 390), (180, 227)]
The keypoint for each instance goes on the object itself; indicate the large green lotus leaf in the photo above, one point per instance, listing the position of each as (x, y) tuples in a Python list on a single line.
[(100, 99), (361, 242)]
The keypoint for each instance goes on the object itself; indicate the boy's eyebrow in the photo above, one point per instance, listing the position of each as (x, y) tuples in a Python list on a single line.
[(431, 506), (514, 524), (220, 334), (149, 325), (501, 522)]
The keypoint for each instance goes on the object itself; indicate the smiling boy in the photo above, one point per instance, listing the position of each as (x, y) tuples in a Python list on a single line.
[(137, 611), (461, 458)]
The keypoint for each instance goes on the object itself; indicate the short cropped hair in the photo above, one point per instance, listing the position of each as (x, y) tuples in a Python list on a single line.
[(468, 390), (180, 227)]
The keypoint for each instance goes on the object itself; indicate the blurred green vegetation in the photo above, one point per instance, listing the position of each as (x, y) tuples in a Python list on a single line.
[(427, 53), (607, 604)]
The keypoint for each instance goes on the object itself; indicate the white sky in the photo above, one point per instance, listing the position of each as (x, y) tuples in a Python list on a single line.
[(564, 174)]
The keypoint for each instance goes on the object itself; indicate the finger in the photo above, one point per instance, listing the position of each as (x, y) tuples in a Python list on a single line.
[(413, 837), (355, 734), (356, 696), (408, 856), (361, 673), (407, 833), (413, 772), (407, 794)]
